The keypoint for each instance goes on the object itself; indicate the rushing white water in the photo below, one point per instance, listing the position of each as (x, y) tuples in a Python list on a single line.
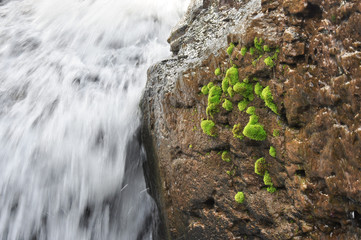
[(71, 76)]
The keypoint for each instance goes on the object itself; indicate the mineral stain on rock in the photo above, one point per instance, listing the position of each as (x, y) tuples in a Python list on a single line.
[(315, 83)]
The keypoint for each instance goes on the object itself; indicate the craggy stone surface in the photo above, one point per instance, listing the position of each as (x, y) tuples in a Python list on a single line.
[(316, 85)]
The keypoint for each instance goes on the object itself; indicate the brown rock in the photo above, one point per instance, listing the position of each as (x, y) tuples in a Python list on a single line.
[(316, 86), (295, 6)]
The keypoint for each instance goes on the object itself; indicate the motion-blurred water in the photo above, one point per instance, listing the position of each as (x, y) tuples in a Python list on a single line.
[(71, 76)]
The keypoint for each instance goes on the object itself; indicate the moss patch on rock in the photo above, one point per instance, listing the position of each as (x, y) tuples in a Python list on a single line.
[(237, 131), (272, 151), (267, 97), (239, 197), (208, 127), (260, 166), (254, 130), (226, 156), (227, 105)]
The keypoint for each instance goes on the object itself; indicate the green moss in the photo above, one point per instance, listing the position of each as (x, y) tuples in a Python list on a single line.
[(208, 127), (226, 156), (244, 89), (227, 105), (230, 49), (275, 56), (251, 110), (269, 62), (267, 97), (258, 44), (214, 96), (276, 132), (242, 105), (266, 48), (217, 72), (246, 80), (212, 109), (267, 179), (238, 87), (205, 90), (254, 63), (254, 130), (232, 73), (210, 85), (272, 151), (239, 197), (258, 89), (225, 84), (260, 166), (243, 51), (230, 92), (253, 119), (251, 50), (271, 189), (237, 131)]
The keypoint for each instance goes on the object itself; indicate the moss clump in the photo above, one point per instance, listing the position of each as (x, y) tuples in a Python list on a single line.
[(242, 105), (271, 189), (217, 72), (269, 62), (276, 133), (208, 127), (260, 166), (230, 92), (267, 179), (212, 109), (272, 151), (214, 99), (210, 85), (244, 89), (258, 44), (258, 89), (226, 156), (268, 182), (227, 105), (214, 95), (239, 197), (205, 90), (238, 87), (251, 110), (266, 48), (251, 50), (232, 73), (254, 130), (225, 84), (246, 80), (267, 97), (237, 131), (254, 63), (230, 49), (243, 51)]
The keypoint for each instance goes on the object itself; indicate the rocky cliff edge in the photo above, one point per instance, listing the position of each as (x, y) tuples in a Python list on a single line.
[(314, 124)]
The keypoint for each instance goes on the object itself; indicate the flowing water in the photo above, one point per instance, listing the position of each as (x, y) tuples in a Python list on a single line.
[(71, 77)]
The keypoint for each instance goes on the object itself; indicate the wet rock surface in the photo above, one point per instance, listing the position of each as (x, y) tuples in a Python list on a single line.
[(316, 85)]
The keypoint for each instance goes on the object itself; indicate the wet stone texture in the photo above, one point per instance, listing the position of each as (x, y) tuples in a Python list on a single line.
[(316, 85)]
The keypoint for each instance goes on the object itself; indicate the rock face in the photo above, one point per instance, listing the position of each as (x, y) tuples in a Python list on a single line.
[(316, 86)]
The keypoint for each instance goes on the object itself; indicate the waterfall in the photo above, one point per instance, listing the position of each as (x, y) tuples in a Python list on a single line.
[(71, 76)]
